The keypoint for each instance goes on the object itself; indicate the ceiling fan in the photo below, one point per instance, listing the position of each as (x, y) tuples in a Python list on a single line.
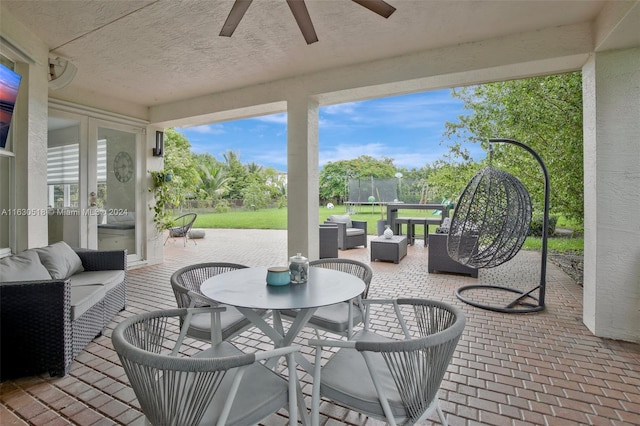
[(301, 14)]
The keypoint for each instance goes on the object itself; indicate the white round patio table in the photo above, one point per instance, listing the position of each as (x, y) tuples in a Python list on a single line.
[(247, 289)]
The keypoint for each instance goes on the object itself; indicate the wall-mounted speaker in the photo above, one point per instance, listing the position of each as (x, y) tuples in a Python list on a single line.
[(61, 72)]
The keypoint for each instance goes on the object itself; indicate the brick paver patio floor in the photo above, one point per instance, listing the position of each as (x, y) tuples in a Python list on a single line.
[(543, 368)]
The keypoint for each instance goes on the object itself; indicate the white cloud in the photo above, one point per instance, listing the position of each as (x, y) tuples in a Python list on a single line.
[(205, 129), (280, 118), (342, 109)]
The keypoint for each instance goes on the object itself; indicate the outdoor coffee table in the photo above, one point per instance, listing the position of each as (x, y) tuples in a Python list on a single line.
[(392, 249)]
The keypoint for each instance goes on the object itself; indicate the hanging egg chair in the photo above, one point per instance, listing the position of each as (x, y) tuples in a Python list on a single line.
[(489, 226), (491, 220)]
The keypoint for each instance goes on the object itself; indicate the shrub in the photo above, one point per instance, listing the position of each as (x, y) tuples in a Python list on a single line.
[(222, 206), (537, 221)]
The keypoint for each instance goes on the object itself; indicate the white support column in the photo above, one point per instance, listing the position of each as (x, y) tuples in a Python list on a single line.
[(30, 147), (302, 181), (611, 98)]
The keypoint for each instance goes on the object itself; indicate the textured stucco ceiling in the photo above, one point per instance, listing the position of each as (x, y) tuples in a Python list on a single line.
[(154, 52)]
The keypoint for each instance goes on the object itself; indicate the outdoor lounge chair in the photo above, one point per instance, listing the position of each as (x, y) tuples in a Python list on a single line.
[(220, 385), (183, 225), (396, 381), (351, 233), (186, 283), (340, 318)]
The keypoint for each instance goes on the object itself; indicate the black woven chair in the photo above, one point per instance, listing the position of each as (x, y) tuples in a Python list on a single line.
[(183, 225)]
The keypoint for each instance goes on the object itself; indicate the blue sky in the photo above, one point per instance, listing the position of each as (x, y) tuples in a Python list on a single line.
[(407, 128)]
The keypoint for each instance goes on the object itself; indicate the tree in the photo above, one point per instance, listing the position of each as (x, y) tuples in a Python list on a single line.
[(334, 177), (448, 180), (544, 113), (237, 174), (180, 163), (215, 183)]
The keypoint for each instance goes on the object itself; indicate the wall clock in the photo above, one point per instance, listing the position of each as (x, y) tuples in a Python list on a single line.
[(123, 166)]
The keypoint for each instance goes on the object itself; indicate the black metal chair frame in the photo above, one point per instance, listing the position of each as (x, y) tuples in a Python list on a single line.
[(184, 224)]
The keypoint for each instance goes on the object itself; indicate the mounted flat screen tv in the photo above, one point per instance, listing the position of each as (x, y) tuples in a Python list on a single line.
[(9, 84)]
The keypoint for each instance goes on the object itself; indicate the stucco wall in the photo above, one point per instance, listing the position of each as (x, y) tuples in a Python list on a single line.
[(612, 194)]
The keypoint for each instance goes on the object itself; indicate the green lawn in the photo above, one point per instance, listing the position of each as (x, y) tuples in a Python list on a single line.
[(277, 219)]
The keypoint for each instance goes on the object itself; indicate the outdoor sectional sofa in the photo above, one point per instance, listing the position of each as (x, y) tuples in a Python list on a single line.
[(54, 301)]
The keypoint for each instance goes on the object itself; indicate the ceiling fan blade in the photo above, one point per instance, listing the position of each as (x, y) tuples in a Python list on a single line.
[(236, 14), (380, 7), (300, 12)]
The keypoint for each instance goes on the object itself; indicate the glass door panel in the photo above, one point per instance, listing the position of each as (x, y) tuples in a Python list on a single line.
[(63, 181), (115, 192)]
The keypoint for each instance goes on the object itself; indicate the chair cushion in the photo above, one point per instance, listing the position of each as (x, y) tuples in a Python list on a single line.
[(231, 320), (354, 231), (261, 393), (336, 317), (108, 278), (83, 297), (60, 260), (25, 266), (345, 378), (338, 218)]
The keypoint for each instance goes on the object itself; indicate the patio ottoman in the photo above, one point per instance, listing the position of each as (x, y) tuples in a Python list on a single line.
[(196, 233), (391, 249)]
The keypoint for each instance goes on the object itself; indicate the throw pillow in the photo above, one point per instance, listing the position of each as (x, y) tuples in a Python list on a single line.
[(60, 260), (23, 266)]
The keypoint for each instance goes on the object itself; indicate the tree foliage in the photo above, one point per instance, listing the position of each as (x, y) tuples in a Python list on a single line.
[(544, 113), (213, 177), (334, 177), (180, 163)]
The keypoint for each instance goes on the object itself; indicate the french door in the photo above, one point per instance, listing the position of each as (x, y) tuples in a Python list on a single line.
[(93, 183)]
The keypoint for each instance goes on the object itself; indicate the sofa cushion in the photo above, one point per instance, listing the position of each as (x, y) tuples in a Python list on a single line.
[(60, 260), (83, 297), (354, 231), (23, 266), (340, 218), (109, 278)]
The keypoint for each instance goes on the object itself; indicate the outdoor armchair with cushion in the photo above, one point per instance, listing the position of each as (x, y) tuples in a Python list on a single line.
[(182, 226), (340, 318), (186, 283), (220, 385), (393, 380), (351, 233)]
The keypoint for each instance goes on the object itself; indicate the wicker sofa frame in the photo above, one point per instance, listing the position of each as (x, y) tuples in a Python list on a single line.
[(36, 329)]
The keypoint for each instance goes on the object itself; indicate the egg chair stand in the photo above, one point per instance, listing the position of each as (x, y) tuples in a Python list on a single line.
[(525, 301)]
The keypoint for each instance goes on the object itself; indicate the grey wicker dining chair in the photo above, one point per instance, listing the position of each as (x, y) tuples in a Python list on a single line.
[(340, 318), (186, 283), (220, 385), (393, 380)]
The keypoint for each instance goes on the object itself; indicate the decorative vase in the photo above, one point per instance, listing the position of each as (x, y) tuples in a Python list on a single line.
[(298, 268), (380, 225), (388, 233)]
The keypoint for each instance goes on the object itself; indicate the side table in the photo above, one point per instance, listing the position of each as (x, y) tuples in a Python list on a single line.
[(392, 249)]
